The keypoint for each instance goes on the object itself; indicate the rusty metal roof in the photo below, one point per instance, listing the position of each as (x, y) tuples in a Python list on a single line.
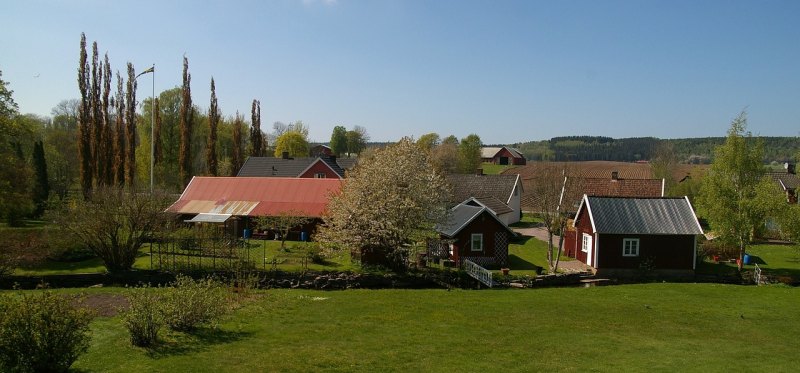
[(256, 196)]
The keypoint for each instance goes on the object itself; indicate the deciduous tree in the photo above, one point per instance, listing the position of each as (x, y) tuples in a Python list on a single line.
[(469, 154), (41, 184), (357, 140), (429, 141), (339, 141), (115, 223), (283, 223), (732, 194), (393, 198), (119, 135), (293, 142)]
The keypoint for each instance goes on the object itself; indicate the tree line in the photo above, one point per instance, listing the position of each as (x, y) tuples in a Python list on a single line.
[(687, 150)]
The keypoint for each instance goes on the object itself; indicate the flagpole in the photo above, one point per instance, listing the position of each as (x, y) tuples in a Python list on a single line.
[(153, 129)]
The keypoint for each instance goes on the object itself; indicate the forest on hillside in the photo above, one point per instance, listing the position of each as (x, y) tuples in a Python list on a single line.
[(689, 150)]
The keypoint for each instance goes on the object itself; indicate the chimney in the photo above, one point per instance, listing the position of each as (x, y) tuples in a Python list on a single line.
[(479, 171), (614, 175), (285, 155)]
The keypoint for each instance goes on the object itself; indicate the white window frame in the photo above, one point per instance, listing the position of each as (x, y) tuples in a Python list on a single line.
[(472, 238), (628, 250), (320, 175), (587, 238)]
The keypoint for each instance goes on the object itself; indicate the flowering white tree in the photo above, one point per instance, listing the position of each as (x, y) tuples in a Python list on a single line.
[(392, 199)]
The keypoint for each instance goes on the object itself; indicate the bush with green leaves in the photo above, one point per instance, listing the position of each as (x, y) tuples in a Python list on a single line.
[(144, 317), (189, 303), (41, 332)]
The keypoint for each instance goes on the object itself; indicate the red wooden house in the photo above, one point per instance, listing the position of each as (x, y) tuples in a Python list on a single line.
[(616, 234), (474, 233), (322, 167)]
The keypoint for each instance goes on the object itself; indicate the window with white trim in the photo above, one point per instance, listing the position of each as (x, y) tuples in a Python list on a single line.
[(630, 247), (476, 242), (319, 175), (587, 241)]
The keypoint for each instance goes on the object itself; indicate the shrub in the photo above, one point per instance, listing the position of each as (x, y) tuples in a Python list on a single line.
[(190, 303), (313, 252), (143, 318), (41, 332)]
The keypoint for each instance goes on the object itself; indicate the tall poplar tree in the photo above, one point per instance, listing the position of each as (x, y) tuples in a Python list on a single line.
[(256, 136), (84, 122), (185, 158), (130, 128), (213, 120), (106, 140), (238, 155), (97, 116), (119, 134)]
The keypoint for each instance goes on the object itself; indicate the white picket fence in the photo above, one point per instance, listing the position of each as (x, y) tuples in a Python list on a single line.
[(479, 273)]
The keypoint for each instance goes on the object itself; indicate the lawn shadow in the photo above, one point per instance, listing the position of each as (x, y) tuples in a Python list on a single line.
[(196, 341), (517, 263)]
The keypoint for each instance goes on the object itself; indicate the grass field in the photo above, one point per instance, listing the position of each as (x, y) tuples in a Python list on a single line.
[(494, 169), (653, 327)]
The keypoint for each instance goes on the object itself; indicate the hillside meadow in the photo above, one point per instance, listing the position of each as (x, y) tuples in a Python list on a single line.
[(647, 327)]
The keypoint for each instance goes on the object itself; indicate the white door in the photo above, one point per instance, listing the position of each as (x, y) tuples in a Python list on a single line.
[(588, 248)]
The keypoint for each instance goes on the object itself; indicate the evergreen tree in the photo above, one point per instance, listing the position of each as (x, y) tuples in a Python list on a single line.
[(256, 136), (185, 158), (238, 155), (41, 186), (84, 122), (130, 128), (213, 120)]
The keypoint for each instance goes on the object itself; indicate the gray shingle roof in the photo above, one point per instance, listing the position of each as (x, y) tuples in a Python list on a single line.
[(465, 186), (460, 216), (787, 180), (279, 167), (643, 216), (494, 204)]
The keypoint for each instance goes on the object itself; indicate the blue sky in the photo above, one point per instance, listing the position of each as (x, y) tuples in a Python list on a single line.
[(509, 71)]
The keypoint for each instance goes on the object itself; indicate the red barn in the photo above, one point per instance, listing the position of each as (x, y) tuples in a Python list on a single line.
[(619, 235), (503, 156), (323, 167)]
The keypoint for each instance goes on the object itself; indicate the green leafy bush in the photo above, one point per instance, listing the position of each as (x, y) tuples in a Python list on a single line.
[(41, 332), (189, 303), (144, 317)]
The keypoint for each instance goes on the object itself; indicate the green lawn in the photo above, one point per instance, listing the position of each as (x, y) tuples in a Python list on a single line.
[(527, 255), (650, 327), (494, 169), (774, 260), (261, 254)]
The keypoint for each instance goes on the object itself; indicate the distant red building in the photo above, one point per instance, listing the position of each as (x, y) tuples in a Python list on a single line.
[(502, 156)]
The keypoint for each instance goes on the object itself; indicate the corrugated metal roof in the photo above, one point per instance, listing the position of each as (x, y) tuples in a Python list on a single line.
[(642, 215), (256, 196), (209, 218)]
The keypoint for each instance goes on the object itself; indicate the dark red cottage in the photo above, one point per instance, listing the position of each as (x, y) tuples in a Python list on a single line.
[(617, 234)]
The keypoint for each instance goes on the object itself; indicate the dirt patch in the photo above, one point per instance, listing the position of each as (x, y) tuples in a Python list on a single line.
[(105, 305)]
